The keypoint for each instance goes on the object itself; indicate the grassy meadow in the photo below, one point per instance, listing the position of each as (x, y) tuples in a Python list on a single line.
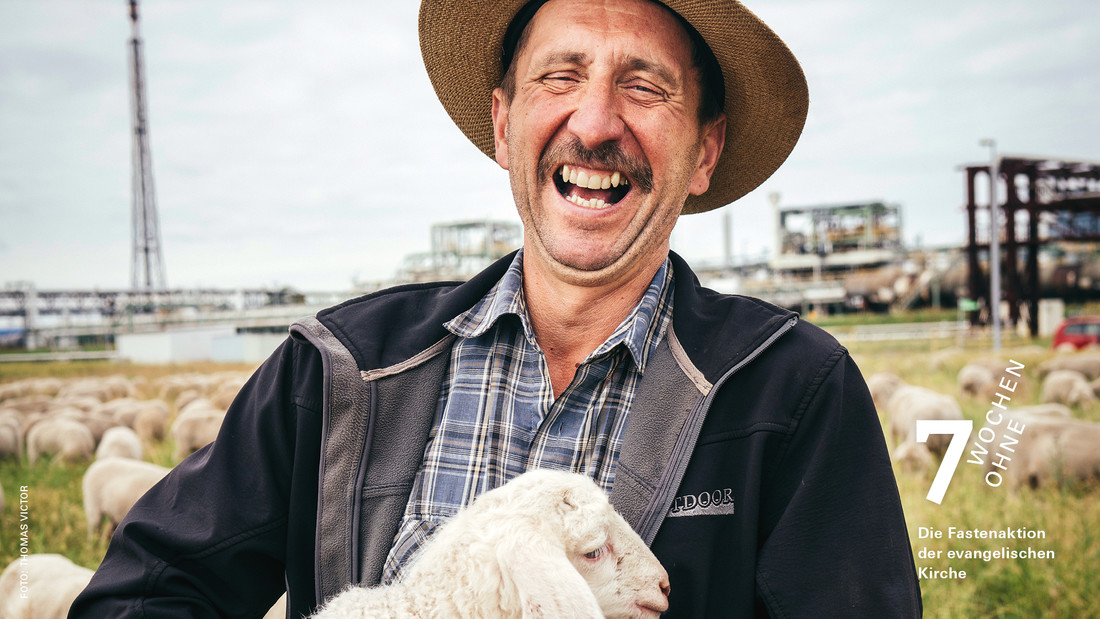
[(1065, 586)]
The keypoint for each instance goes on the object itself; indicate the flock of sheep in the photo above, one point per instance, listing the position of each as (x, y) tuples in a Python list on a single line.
[(575, 555), (1043, 442), (102, 422)]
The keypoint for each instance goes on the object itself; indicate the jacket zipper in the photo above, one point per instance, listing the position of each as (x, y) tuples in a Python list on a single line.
[(681, 451)]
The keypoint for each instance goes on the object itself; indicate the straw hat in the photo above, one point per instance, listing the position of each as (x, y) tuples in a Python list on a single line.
[(766, 97)]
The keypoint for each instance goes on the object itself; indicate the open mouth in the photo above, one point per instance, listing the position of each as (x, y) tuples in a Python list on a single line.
[(591, 189)]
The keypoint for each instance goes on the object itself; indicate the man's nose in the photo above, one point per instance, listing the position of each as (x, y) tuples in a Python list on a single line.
[(597, 119)]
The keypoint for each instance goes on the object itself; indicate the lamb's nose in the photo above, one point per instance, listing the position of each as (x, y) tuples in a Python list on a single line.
[(657, 603)]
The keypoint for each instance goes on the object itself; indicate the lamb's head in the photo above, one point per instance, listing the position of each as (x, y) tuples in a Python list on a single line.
[(566, 538)]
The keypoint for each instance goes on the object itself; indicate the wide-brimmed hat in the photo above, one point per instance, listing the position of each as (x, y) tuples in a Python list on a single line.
[(765, 103)]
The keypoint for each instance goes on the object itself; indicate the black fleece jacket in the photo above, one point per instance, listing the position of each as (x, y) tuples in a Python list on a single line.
[(780, 502)]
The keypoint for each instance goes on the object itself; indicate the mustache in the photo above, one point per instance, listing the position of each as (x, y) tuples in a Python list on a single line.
[(608, 155)]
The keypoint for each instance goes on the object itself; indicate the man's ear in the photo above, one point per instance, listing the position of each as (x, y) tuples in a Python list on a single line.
[(500, 127), (713, 141)]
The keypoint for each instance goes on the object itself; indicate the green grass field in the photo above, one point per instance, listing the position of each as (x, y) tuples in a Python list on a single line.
[(1065, 586)]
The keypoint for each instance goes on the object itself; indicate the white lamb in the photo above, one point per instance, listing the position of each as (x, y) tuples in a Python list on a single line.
[(151, 420), (910, 403), (112, 486), (122, 442), (977, 380), (195, 430), (1085, 363), (11, 434), (546, 544), (65, 439), (1068, 387), (1055, 450), (882, 386), (41, 586), (913, 457)]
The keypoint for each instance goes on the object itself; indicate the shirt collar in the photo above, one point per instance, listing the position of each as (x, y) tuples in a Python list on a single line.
[(639, 333), (505, 297)]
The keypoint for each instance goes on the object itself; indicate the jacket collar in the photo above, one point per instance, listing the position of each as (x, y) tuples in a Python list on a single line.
[(716, 331)]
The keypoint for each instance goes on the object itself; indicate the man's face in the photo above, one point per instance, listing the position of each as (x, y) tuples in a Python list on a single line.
[(602, 138)]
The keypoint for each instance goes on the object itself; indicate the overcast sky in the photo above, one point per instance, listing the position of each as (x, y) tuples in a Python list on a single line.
[(300, 144)]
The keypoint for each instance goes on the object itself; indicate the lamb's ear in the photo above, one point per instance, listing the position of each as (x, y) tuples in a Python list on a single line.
[(546, 583)]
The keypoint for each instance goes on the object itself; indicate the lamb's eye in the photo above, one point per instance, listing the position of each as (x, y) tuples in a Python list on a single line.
[(595, 554)]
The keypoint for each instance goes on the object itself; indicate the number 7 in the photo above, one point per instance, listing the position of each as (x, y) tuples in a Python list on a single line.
[(960, 431)]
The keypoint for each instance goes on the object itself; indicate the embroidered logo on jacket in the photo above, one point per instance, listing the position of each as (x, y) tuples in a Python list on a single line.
[(715, 503)]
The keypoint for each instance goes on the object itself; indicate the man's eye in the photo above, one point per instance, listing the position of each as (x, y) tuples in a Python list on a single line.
[(645, 89)]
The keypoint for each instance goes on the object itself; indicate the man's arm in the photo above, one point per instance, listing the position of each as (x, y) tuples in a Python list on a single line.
[(211, 539), (840, 544)]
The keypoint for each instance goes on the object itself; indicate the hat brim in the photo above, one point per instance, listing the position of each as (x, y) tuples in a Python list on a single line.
[(766, 93)]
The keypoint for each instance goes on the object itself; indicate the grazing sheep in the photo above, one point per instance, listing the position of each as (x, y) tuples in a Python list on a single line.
[(882, 386), (1050, 409), (121, 411), (128, 414), (98, 423), (63, 438), (12, 391), (186, 397), (1057, 450), (119, 386), (122, 442), (1067, 387), (86, 388), (150, 421), (547, 544), (41, 586), (227, 391), (11, 435), (1085, 363), (45, 386), (194, 428), (1003, 431), (910, 403), (195, 405), (172, 386), (913, 457), (977, 380), (30, 404), (112, 486)]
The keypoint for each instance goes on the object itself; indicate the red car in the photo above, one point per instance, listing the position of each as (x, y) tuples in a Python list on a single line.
[(1077, 332)]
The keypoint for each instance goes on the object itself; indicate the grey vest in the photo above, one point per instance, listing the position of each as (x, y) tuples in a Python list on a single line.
[(376, 425)]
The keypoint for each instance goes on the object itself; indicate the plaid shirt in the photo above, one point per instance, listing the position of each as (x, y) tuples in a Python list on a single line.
[(497, 415)]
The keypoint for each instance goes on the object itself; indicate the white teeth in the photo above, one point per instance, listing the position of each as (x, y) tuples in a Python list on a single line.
[(595, 203), (592, 180)]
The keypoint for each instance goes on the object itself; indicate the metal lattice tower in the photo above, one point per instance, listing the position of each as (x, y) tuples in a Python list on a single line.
[(147, 264)]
